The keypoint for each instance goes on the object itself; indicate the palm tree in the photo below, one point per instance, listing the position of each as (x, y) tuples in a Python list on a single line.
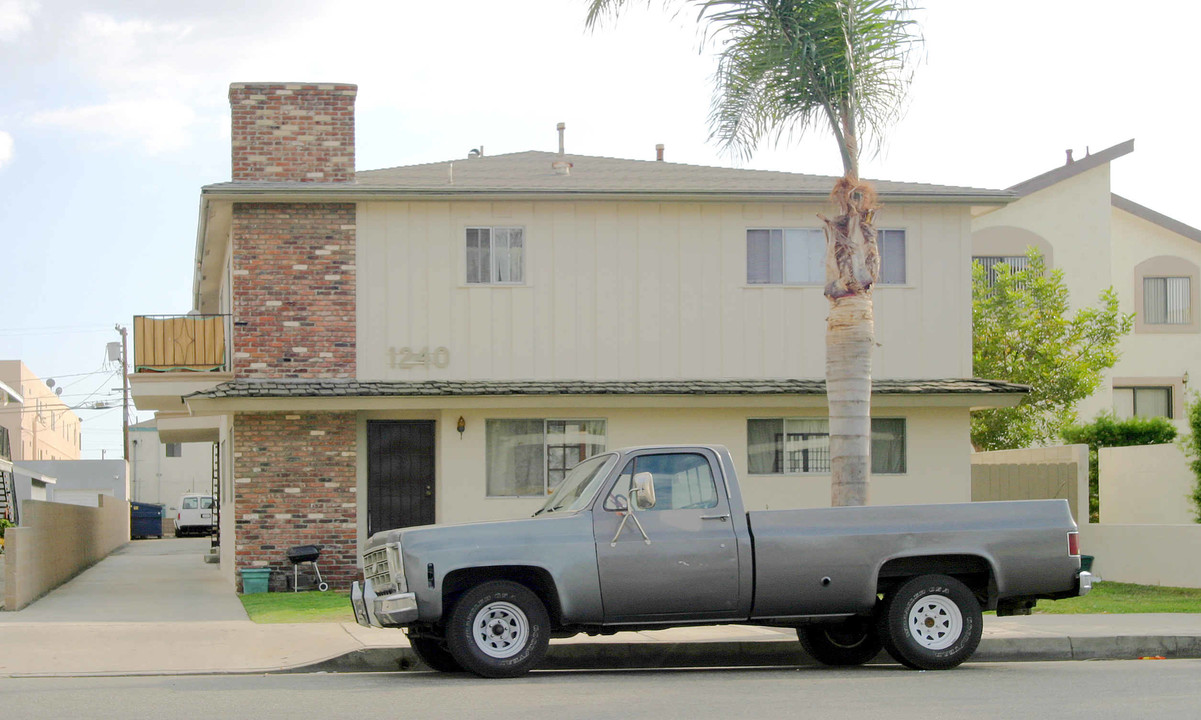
[(786, 66)]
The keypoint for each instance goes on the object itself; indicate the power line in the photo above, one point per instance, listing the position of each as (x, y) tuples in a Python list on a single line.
[(62, 330)]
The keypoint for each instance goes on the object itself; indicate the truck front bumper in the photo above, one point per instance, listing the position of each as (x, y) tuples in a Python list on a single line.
[(380, 611)]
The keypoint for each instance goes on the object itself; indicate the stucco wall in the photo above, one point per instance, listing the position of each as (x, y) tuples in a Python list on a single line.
[(156, 478), (1147, 484), (1145, 554), (618, 290), (55, 542), (1160, 358), (1074, 217)]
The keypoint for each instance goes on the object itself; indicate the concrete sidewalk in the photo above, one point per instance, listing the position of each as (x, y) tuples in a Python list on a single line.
[(154, 608)]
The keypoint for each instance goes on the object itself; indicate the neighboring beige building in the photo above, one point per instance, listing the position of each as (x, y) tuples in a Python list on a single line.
[(162, 472), (41, 427), (442, 342), (1100, 240)]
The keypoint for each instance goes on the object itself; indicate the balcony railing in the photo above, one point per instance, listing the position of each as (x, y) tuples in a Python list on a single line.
[(181, 343)]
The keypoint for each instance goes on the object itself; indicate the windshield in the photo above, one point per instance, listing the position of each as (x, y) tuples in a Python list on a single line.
[(580, 485)]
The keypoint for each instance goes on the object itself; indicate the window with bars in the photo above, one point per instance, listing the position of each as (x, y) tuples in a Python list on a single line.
[(788, 446), (1016, 263), (1167, 301), (530, 457), (1131, 402), (495, 255), (797, 256)]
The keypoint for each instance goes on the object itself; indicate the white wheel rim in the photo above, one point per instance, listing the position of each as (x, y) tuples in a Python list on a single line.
[(500, 630), (935, 622)]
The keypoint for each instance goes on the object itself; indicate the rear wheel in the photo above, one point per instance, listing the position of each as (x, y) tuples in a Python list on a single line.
[(498, 629), (433, 652), (931, 622), (851, 642)]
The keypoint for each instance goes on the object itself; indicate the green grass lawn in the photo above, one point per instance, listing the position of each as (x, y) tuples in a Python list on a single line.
[(302, 607), (1115, 597), (1106, 597)]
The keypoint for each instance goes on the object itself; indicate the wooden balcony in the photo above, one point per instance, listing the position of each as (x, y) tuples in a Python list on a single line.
[(180, 343), (176, 355)]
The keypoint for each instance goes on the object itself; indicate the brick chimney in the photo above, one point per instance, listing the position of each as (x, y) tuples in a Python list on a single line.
[(293, 132)]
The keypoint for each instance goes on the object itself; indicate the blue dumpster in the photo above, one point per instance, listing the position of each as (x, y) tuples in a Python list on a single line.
[(145, 520)]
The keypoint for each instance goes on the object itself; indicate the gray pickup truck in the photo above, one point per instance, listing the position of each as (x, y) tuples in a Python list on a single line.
[(653, 537)]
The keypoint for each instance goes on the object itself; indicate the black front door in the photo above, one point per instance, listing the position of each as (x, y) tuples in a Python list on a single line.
[(400, 474)]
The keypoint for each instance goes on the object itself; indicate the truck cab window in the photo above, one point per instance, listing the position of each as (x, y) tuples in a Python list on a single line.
[(683, 481)]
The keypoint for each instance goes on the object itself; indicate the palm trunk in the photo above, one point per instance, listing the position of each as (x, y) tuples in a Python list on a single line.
[(852, 267)]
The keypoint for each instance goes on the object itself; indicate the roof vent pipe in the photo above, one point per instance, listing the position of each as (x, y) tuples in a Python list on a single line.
[(659, 152), (561, 127), (1069, 162)]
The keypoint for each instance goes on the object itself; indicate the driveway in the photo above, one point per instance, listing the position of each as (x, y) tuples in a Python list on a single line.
[(145, 581)]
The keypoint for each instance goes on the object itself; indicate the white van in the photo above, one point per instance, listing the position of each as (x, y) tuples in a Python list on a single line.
[(195, 516)]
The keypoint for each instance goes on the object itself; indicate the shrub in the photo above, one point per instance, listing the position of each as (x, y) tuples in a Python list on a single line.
[(1107, 431), (1192, 447)]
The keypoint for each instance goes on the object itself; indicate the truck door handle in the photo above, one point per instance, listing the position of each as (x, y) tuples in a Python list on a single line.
[(723, 518)]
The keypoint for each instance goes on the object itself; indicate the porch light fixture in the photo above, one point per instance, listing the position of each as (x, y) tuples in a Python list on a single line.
[(461, 426)]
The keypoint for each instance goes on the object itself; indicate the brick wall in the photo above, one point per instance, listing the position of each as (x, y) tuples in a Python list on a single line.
[(293, 132), (295, 484), (294, 290)]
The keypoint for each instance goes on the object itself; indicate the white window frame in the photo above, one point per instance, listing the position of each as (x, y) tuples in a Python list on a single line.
[(546, 489), (826, 420), (904, 234), (493, 273)]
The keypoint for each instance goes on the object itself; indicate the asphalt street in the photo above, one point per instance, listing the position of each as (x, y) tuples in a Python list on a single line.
[(1062, 690)]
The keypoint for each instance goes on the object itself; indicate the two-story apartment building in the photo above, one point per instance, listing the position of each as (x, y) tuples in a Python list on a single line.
[(442, 342), (1102, 240)]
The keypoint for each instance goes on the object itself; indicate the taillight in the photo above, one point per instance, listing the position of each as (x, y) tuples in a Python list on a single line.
[(1073, 544), (179, 516)]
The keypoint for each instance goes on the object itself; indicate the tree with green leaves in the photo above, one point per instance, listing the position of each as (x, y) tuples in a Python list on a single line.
[(1192, 446), (785, 67), (1023, 333)]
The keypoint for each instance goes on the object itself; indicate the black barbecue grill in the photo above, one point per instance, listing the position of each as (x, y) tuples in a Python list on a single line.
[(305, 554)]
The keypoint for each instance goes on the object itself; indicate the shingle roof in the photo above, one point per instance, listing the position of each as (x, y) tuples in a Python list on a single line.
[(382, 388), (1073, 169), (532, 172)]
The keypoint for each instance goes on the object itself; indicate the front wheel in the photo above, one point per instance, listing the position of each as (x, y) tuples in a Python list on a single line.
[(498, 629), (851, 642), (931, 622), (434, 654)]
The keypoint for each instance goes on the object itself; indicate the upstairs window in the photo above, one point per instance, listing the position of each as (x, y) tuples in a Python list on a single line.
[(1167, 301), (797, 256), (174, 449), (1016, 263), (495, 255)]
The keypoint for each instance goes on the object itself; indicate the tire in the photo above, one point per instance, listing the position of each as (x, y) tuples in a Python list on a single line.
[(178, 533), (498, 629), (433, 652), (853, 641), (931, 622)]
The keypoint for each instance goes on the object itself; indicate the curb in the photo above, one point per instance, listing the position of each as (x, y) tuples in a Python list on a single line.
[(774, 653)]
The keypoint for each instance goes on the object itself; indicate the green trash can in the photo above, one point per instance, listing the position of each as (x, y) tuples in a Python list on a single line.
[(1086, 563), (255, 580)]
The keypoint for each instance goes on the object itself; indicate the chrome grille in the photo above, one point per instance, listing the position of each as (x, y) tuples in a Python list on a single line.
[(375, 567)]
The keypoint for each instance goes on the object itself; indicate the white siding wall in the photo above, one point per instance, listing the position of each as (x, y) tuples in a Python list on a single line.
[(623, 290)]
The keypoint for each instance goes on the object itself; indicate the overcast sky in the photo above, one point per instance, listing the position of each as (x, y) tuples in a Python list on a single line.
[(114, 113)]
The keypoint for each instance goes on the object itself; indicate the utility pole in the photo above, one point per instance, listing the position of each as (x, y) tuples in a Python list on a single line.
[(124, 392)]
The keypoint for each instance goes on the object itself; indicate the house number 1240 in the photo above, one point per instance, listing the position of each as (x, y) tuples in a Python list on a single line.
[(407, 358)]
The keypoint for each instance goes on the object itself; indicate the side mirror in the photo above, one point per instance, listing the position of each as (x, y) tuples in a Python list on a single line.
[(644, 490)]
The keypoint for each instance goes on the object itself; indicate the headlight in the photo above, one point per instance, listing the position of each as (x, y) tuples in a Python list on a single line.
[(396, 566)]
